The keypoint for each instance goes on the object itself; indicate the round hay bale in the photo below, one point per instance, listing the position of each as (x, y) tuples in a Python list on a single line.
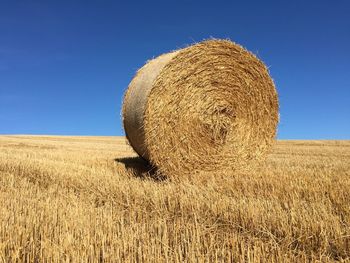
[(211, 106)]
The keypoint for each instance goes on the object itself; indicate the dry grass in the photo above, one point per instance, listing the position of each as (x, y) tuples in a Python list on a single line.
[(86, 199)]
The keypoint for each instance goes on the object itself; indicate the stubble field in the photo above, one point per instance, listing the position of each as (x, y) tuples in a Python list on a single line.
[(90, 199)]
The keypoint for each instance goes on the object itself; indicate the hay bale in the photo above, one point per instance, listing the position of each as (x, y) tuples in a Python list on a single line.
[(208, 107)]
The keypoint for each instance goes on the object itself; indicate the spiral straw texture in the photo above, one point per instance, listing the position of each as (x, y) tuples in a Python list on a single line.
[(211, 106)]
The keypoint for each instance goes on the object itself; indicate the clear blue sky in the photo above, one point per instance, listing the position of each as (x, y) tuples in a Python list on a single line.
[(64, 65)]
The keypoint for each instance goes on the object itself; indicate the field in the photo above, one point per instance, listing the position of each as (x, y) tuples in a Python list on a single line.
[(90, 199)]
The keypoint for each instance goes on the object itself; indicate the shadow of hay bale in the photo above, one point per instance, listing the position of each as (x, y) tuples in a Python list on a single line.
[(140, 168)]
